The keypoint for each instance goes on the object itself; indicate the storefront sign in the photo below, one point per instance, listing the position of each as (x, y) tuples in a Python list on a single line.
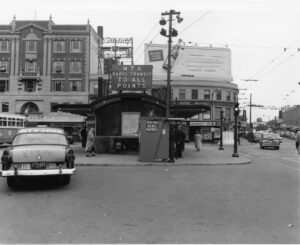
[(132, 78), (151, 126)]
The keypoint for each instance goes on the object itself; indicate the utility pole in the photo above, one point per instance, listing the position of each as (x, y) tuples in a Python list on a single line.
[(250, 118), (221, 131), (172, 32)]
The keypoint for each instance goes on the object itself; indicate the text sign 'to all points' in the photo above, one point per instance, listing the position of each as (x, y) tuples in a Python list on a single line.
[(131, 77)]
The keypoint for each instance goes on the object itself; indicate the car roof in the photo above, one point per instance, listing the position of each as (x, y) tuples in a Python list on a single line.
[(45, 130)]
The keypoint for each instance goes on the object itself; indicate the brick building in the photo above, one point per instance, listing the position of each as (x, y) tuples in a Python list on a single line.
[(43, 64), (291, 116)]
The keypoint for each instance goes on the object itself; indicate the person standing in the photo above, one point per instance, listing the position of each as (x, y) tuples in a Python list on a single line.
[(179, 139), (198, 140), (90, 143), (171, 144), (83, 135), (298, 141)]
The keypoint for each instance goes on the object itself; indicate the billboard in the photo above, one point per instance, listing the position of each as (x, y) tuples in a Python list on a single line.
[(131, 77), (117, 47), (189, 62)]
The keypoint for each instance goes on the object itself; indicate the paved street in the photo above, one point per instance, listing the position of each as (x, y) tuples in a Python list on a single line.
[(248, 203)]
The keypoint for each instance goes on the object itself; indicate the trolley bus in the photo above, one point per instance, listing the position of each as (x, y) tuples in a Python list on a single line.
[(9, 125)]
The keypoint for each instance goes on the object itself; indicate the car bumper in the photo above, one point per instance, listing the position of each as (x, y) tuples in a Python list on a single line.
[(41, 172)]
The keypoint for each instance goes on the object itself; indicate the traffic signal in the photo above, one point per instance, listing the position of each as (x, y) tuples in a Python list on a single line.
[(236, 109)]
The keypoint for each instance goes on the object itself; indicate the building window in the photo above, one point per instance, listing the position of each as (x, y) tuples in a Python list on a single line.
[(228, 114), (29, 86), (59, 46), (57, 85), (75, 86), (206, 115), (194, 94), (75, 46), (172, 94), (75, 67), (31, 46), (30, 66), (4, 46), (206, 94), (227, 95), (52, 104), (5, 106), (3, 66), (182, 94), (234, 97), (4, 86), (58, 67), (219, 94), (218, 113)]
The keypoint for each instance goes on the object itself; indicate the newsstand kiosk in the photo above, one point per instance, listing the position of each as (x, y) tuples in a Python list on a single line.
[(154, 139)]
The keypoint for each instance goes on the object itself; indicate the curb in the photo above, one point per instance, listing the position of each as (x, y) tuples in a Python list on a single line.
[(141, 164)]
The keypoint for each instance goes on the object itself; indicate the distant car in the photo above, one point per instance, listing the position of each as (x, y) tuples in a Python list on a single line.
[(270, 140), (38, 152), (257, 137)]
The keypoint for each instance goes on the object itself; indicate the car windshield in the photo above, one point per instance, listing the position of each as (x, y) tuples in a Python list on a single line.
[(269, 136), (40, 139)]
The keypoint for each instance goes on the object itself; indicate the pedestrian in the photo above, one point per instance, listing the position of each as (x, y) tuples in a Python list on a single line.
[(298, 141), (179, 140), (198, 140), (90, 143), (83, 135), (171, 144)]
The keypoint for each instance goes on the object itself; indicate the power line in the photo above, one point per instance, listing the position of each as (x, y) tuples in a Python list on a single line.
[(142, 42), (292, 55), (147, 46), (274, 59), (201, 17)]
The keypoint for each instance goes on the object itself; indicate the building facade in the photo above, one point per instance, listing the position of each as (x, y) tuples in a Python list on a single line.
[(43, 64), (291, 116), (201, 84)]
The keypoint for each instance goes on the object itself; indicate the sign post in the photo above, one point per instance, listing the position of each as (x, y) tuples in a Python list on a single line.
[(132, 78)]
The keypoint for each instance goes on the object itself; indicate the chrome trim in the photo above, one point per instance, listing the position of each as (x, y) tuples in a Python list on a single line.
[(38, 172)]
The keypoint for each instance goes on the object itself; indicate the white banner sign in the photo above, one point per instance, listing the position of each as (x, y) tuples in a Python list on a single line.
[(190, 62)]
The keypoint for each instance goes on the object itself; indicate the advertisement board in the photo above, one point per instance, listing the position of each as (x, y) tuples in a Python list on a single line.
[(189, 62), (117, 47), (130, 123), (131, 78)]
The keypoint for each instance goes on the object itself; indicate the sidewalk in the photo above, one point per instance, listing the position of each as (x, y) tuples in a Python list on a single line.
[(208, 155)]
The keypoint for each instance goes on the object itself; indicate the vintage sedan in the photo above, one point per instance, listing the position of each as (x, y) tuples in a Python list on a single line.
[(38, 151), (270, 140)]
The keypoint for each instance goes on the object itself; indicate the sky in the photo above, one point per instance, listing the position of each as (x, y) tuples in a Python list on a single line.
[(263, 35)]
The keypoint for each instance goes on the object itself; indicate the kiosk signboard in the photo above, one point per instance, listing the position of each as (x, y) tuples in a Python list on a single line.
[(131, 78)]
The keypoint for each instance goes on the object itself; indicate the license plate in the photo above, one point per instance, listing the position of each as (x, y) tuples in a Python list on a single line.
[(38, 165)]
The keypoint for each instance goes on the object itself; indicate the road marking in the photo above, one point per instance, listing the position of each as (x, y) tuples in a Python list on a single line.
[(291, 160), (287, 165)]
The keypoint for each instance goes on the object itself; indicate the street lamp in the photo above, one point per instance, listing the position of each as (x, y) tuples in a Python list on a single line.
[(171, 33), (236, 114)]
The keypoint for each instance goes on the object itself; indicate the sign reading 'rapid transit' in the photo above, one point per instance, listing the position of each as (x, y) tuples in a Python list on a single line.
[(131, 77)]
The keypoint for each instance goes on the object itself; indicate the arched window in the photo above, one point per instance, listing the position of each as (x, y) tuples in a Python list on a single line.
[(31, 107)]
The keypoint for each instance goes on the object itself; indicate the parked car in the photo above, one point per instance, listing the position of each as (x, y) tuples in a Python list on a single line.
[(270, 140), (38, 152), (257, 137)]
